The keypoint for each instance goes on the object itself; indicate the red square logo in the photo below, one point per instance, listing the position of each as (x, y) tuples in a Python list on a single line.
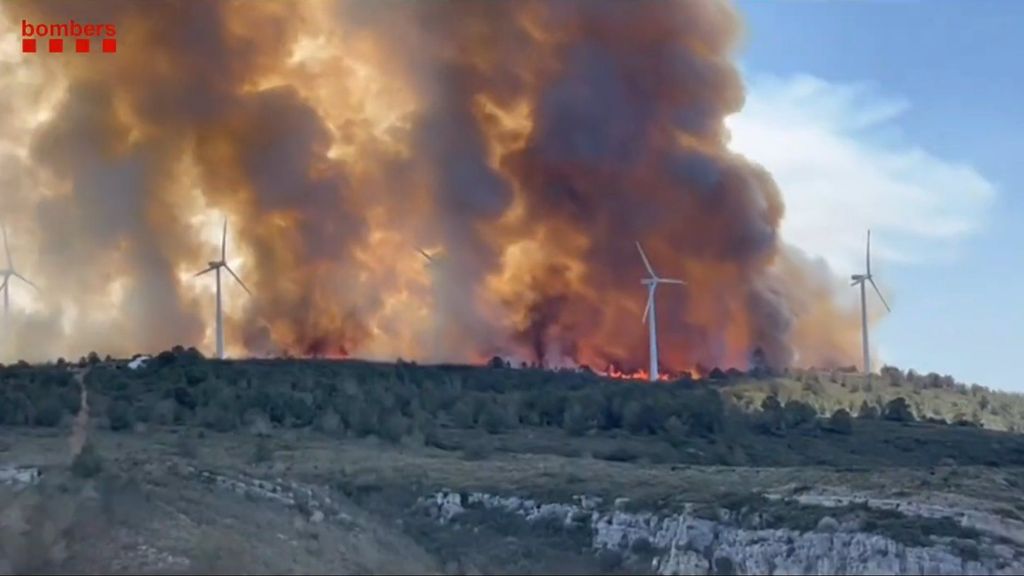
[(82, 45), (28, 44), (110, 44), (56, 44)]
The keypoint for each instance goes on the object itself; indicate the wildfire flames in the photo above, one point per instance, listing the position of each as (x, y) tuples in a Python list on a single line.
[(530, 142), (615, 372)]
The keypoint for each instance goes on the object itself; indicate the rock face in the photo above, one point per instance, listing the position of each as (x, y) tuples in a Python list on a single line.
[(18, 476), (687, 544)]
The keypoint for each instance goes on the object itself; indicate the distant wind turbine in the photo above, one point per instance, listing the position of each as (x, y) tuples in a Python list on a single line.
[(649, 316), (215, 266), (432, 261), (861, 280), (8, 273), (437, 269)]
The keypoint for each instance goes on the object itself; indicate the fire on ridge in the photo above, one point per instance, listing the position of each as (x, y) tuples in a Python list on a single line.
[(533, 142)]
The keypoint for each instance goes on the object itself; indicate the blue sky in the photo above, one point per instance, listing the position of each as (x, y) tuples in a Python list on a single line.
[(903, 116)]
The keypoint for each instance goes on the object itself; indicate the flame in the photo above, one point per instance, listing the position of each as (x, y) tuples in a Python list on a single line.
[(613, 371)]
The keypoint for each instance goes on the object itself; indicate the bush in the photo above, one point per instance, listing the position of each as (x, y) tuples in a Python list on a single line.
[(463, 413), (867, 411), (494, 418), (16, 410), (840, 422), (263, 452), (88, 463), (639, 416), (575, 421), (184, 397), (897, 410), (676, 431), (395, 426), (797, 414), (120, 415), (49, 412)]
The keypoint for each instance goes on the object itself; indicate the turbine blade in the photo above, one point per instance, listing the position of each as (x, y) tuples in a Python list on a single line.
[(879, 292), (224, 242), (210, 269), (647, 262), (26, 281), (671, 281), (4, 285), (647, 309), (7, 249), (242, 284), (869, 252), (425, 255)]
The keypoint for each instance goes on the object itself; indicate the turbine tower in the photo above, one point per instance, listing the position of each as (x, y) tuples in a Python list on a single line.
[(436, 265), (862, 280), (215, 266), (8, 273), (649, 316)]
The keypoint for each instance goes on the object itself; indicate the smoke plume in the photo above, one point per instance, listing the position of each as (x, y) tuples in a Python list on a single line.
[(531, 142)]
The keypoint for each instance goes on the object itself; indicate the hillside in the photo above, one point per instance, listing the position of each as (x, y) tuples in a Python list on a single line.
[(360, 467)]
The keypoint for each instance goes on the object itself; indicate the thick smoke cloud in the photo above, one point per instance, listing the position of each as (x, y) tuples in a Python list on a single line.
[(530, 142)]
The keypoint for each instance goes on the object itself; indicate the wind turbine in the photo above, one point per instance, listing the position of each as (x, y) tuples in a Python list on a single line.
[(8, 273), (432, 261), (437, 269), (652, 285), (861, 280), (215, 267)]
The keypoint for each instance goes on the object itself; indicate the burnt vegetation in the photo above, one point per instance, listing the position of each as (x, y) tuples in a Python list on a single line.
[(483, 410)]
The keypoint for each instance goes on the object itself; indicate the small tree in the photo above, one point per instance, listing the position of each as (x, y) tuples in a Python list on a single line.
[(867, 411), (120, 415), (797, 413), (840, 422), (897, 410)]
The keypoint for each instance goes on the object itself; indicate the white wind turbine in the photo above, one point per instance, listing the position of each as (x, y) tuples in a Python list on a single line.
[(861, 280), (8, 273), (649, 316), (215, 266), (432, 261), (436, 267)]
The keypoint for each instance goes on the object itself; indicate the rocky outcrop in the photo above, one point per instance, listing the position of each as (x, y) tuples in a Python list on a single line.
[(1006, 528), (315, 501), (19, 476), (684, 543)]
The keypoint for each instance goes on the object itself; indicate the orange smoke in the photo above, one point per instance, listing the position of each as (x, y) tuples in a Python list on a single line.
[(532, 142)]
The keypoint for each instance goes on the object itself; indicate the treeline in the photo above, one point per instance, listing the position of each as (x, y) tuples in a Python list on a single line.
[(399, 400)]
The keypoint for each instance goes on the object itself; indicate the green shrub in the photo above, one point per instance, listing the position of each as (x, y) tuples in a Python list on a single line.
[(797, 414), (120, 415), (395, 426), (463, 413), (263, 451), (840, 422), (495, 419), (898, 410), (16, 410), (575, 421), (49, 412), (88, 463)]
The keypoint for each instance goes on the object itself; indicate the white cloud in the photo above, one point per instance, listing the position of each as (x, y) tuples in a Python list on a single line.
[(838, 157)]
